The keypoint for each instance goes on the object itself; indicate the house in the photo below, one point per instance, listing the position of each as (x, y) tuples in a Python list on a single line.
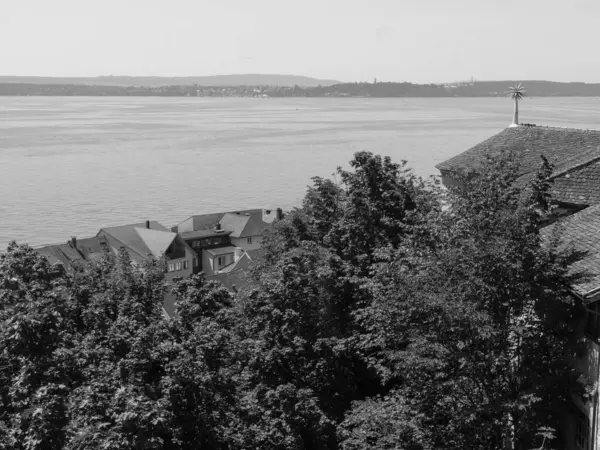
[(62, 256), (148, 240), (575, 154), (222, 239), (581, 231), (235, 276), (244, 229)]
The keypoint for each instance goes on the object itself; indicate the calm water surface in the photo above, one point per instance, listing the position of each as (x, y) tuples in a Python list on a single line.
[(70, 165)]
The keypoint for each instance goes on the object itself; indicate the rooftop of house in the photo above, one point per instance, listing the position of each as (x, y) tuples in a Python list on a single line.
[(145, 239), (566, 148), (241, 224), (234, 277), (581, 232), (74, 250), (243, 262)]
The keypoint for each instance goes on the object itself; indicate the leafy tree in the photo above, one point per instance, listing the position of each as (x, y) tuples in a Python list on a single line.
[(476, 331)]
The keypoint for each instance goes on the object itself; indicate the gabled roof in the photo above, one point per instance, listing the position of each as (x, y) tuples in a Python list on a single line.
[(582, 232), (84, 250), (236, 223), (154, 240), (92, 248), (206, 221), (244, 224), (241, 223), (565, 147), (579, 185), (242, 263)]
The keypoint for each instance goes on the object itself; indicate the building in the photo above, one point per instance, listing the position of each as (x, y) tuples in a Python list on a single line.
[(235, 276), (244, 228), (581, 231), (575, 154), (220, 240), (62, 256), (144, 241)]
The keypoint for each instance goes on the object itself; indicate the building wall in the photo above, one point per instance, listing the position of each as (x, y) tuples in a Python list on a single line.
[(207, 263), (243, 242), (183, 273), (588, 363)]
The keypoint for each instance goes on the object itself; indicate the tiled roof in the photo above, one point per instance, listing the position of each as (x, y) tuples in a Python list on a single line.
[(579, 185), (157, 241), (565, 147), (143, 241), (84, 250), (241, 223), (582, 232), (242, 263), (235, 222), (92, 248), (206, 221)]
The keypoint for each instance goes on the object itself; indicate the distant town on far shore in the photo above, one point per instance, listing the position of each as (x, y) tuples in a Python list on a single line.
[(264, 86)]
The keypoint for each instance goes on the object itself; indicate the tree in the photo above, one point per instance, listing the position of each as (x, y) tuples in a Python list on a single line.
[(476, 331), (90, 362), (517, 93)]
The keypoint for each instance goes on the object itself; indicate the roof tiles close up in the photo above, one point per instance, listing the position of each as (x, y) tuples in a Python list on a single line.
[(564, 147)]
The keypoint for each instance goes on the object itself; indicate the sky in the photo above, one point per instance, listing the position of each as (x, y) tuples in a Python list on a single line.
[(421, 41)]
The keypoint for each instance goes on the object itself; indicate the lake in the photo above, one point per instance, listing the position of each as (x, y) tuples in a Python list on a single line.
[(70, 165)]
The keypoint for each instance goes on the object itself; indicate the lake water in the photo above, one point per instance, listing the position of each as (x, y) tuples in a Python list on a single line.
[(70, 165)]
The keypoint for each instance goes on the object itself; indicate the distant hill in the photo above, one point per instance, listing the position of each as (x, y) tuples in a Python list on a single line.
[(534, 88), (215, 80), (265, 86)]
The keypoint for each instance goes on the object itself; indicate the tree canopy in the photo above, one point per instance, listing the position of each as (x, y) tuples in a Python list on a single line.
[(385, 313)]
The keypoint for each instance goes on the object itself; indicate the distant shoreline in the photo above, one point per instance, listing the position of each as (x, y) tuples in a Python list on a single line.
[(341, 90)]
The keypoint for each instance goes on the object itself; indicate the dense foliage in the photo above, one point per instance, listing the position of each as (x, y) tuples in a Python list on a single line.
[(386, 313)]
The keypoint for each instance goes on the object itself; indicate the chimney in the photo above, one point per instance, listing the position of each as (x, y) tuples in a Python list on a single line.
[(148, 224), (268, 216), (279, 214), (74, 242)]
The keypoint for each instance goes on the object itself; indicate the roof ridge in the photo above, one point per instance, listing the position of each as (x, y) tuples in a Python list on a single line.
[(555, 127), (575, 167)]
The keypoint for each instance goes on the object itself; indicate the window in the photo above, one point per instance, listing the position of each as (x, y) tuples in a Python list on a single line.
[(592, 323), (195, 262), (186, 264), (171, 268), (220, 261), (178, 266), (249, 240), (582, 432)]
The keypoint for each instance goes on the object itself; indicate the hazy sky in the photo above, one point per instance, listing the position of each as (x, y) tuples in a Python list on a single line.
[(349, 40)]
